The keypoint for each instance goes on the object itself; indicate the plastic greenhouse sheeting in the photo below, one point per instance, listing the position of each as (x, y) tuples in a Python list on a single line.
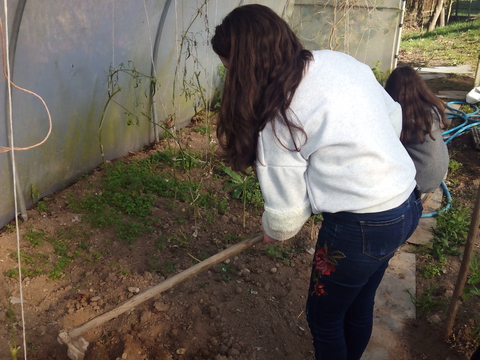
[(368, 30), (114, 73)]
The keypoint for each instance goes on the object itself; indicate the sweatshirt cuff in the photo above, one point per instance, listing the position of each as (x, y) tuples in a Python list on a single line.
[(284, 225)]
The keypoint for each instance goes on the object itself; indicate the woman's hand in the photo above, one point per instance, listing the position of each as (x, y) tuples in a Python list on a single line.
[(267, 239)]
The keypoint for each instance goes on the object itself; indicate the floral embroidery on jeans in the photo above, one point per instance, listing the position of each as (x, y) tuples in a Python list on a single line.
[(324, 263)]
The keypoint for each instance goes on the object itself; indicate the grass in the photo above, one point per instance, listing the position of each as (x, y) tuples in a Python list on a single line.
[(457, 43)]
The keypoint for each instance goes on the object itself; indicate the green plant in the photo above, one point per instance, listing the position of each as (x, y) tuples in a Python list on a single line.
[(380, 75), (279, 252), (114, 87), (35, 238), (453, 167), (12, 345), (426, 302), (451, 231), (431, 270), (34, 192), (244, 187), (160, 243), (226, 270), (167, 268), (202, 129), (473, 281), (231, 239), (42, 206)]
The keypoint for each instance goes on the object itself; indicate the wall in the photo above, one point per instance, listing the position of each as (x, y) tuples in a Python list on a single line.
[(93, 61)]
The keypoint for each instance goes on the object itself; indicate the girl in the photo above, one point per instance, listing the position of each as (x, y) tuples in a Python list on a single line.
[(285, 110), (423, 121)]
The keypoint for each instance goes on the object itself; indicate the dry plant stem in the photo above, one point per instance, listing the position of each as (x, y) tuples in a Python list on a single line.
[(165, 285), (463, 272)]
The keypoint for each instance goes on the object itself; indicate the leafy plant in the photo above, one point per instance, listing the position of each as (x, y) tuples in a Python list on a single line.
[(473, 281), (12, 345), (451, 231), (244, 187), (34, 237), (279, 252), (380, 75), (167, 268), (453, 166), (42, 206), (426, 302), (431, 269), (226, 270)]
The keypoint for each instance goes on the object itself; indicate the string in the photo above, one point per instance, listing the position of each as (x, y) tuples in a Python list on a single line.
[(113, 33), (10, 120), (177, 76), (7, 76)]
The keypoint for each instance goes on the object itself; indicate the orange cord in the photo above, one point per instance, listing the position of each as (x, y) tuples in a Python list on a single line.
[(6, 149)]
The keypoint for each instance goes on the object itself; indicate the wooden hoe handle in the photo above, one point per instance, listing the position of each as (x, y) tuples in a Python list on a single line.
[(165, 285)]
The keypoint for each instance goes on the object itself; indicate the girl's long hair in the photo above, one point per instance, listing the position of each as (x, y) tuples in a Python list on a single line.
[(265, 64), (419, 104)]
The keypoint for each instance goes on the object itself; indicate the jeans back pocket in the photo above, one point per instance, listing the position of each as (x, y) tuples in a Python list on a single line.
[(382, 238)]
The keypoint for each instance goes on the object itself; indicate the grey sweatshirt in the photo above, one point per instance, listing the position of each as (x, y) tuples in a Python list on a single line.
[(430, 158)]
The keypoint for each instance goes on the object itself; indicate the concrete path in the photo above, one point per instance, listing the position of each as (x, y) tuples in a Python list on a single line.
[(393, 305)]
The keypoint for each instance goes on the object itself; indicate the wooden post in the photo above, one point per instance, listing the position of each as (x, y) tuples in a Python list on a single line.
[(463, 273), (476, 82)]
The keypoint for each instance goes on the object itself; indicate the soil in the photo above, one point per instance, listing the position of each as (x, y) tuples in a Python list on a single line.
[(248, 307)]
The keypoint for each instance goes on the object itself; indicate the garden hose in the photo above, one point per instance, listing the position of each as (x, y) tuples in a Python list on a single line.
[(470, 120)]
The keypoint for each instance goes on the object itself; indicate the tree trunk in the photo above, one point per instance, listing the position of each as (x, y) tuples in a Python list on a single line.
[(435, 16), (449, 12), (442, 17)]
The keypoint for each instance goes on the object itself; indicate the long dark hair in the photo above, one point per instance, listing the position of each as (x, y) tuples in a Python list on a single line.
[(265, 64), (418, 101)]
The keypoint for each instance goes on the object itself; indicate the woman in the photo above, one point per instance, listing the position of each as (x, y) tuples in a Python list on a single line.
[(423, 121), (287, 111)]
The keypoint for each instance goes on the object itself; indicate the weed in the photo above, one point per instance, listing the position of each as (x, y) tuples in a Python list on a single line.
[(203, 130), (453, 167), (231, 239), (381, 76), (31, 346), (34, 192), (226, 270), (34, 237), (279, 252), (473, 281), (244, 187), (96, 256), (42, 206), (14, 349), (431, 270), (451, 231), (167, 268), (123, 272), (160, 243), (426, 302)]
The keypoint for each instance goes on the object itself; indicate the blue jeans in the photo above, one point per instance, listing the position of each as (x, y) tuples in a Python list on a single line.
[(341, 318)]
